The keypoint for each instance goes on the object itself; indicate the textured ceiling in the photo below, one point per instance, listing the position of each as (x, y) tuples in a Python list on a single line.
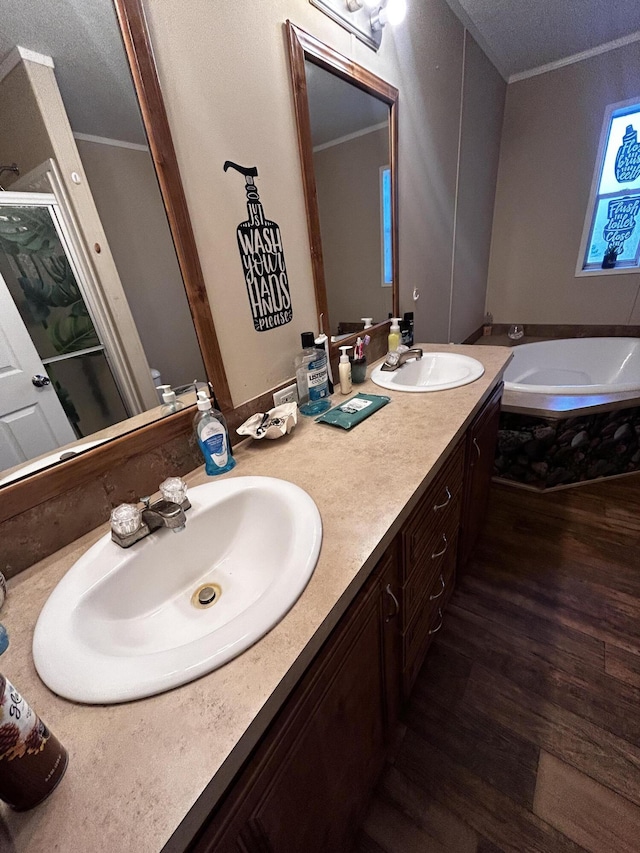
[(519, 35), (83, 38)]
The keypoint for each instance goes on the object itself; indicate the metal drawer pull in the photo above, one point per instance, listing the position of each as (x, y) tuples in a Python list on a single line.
[(448, 500), (435, 630), (396, 604), (477, 447), (433, 597), (440, 553)]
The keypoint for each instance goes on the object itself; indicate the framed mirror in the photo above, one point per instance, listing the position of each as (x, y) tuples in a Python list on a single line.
[(347, 135), (101, 291)]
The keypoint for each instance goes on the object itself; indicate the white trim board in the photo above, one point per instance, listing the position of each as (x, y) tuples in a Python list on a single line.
[(15, 57), (350, 136), (576, 57), (104, 140)]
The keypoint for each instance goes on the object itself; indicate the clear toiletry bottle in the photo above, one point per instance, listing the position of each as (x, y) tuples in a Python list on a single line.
[(394, 334), (311, 376), (171, 403), (344, 369), (213, 437)]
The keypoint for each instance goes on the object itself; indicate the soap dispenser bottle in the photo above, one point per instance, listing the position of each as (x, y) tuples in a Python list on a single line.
[(394, 334), (344, 368), (213, 437), (171, 403)]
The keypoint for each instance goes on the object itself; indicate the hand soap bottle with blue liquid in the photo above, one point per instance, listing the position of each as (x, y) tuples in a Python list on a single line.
[(213, 437)]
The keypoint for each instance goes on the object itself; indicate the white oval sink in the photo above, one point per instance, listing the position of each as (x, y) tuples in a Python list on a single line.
[(122, 623), (435, 371)]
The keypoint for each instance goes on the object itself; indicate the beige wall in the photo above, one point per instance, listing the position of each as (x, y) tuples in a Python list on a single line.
[(225, 78), (552, 127), (124, 187), (482, 112), (348, 185)]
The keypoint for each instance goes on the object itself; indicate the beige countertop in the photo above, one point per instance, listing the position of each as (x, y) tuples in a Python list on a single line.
[(144, 775)]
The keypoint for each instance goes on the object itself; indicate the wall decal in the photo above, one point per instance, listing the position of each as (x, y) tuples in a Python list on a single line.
[(627, 167), (262, 257), (620, 225)]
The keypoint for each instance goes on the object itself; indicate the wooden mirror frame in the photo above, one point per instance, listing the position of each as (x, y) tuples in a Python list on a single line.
[(33, 490), (303, 46)]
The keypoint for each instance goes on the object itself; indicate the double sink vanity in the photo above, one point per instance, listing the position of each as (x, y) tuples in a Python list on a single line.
[(278, 748)]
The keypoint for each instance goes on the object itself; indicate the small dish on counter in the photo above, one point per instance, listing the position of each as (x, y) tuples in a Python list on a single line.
[(275, 423)]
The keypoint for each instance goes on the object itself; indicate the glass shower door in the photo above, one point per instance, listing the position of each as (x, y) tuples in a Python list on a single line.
[(39, 272)]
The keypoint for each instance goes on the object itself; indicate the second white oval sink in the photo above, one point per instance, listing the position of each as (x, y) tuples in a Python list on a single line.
[(435, 371), (123, 624)]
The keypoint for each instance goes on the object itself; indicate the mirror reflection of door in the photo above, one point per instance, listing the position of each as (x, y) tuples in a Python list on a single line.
[(60, 67), (39, 271), (350, 137), (32, 419)]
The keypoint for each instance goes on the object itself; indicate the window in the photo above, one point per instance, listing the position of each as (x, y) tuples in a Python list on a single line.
[(385, 221), (611, 238)]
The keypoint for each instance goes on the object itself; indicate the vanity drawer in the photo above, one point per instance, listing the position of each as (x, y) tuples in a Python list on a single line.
[(440, 504), (428, 621), (431, 564)]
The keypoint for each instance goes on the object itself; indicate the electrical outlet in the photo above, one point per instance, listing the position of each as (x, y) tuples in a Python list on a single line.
[(286, 395)]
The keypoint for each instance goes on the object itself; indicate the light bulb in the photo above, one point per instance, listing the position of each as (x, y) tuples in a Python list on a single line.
[(395, 11)]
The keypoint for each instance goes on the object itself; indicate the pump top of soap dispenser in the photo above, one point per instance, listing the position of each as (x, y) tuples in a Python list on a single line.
[(169, 399), (344, 357), (204, 403)]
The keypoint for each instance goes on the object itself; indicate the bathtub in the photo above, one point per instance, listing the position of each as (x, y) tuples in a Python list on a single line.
[(577, 366), (570, 413)]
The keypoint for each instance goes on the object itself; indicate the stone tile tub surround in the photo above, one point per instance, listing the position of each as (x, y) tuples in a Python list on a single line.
[(545, 453), (136, 770)]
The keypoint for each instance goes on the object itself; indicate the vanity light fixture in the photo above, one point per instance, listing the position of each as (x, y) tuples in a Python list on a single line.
[(364, 18)]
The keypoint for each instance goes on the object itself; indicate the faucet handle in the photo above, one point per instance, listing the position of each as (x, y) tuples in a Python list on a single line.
[(174, 489), (146, 500), (125, 519)]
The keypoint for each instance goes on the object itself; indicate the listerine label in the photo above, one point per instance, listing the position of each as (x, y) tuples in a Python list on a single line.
[(317, 382), (213, 437)]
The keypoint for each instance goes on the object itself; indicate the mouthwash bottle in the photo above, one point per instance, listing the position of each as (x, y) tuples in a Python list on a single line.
[(312, 377)]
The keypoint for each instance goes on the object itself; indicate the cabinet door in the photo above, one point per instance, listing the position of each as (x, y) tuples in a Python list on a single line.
[(310, 779), (480, 452)]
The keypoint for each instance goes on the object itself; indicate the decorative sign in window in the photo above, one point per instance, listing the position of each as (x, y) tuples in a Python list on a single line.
[(614, 236), (627, 166)]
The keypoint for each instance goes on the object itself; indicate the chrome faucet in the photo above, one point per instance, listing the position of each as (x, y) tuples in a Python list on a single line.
[(129, 523), (394, 360), (164, 513)]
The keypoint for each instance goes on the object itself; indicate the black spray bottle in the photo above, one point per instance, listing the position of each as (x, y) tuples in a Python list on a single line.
[(262, 257)]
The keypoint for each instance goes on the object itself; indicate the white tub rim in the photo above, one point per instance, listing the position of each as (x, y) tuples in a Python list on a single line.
[(584, 390)]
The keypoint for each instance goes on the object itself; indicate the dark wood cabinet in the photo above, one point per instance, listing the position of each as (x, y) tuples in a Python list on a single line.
[(307, 784), (429, 541), (482, 436), (308, 781)]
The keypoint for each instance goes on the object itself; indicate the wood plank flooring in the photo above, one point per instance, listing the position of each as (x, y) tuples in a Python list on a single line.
[(523, 731)]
